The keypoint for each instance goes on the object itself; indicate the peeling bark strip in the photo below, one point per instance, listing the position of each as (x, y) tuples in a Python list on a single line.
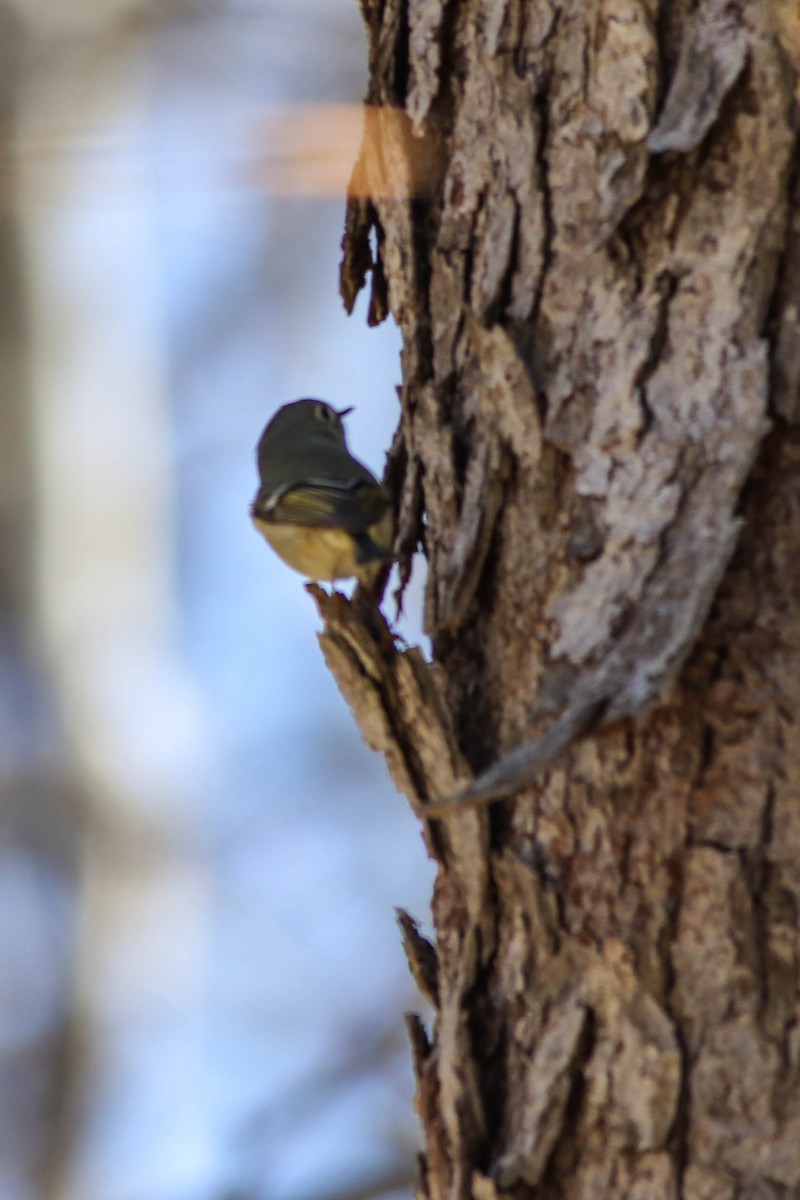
[(712, 55), (590, 245), (399, 710)]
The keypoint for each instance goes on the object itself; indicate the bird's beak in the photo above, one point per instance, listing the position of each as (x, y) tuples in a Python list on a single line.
[(342, 412)]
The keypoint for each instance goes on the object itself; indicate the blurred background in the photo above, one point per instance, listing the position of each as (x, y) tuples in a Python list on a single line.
[(201, 983)]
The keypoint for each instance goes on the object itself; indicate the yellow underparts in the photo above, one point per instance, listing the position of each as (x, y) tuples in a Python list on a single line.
[(323, 554)]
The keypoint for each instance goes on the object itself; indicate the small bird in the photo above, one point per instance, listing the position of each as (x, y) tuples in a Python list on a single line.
[(319, 508)]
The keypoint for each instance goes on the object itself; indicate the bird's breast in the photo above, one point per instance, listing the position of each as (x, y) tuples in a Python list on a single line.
[(318, 553)]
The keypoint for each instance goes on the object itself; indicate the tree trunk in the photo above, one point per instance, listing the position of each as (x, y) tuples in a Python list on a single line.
[(587, 226)]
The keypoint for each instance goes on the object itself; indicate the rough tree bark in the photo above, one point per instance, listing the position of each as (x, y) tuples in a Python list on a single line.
[(586, 222)]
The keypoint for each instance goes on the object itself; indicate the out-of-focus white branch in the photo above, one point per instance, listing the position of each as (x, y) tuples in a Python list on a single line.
[(106, 598)]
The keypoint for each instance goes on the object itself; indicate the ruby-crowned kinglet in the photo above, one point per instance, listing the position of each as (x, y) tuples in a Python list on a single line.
[(319, 508)]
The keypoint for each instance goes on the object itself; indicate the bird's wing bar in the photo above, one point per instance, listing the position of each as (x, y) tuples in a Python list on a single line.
[(324, 504)]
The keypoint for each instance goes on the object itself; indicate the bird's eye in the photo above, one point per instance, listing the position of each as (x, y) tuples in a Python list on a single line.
[(326, 414)]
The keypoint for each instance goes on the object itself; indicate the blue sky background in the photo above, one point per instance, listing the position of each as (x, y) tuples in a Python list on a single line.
[(226, 944)]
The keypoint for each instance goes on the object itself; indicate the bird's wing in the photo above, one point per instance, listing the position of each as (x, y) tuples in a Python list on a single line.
[(324, 504)]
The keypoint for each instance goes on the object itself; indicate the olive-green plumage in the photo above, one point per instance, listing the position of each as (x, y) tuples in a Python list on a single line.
[(319, 508)]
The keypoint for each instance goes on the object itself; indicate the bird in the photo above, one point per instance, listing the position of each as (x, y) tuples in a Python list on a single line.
[(320, 509)]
